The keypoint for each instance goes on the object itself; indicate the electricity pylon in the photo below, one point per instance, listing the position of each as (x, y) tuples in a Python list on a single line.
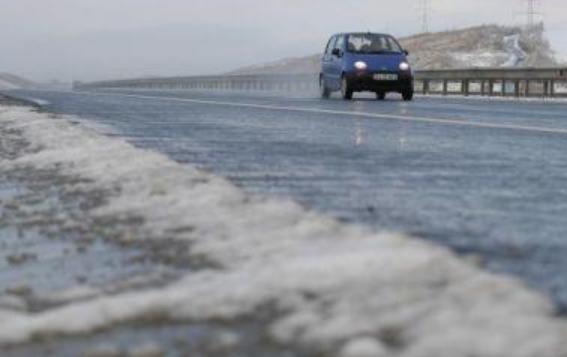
[(424, 14)]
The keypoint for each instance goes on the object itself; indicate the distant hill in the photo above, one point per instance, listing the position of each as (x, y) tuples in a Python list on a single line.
[(10, 81), (481, 46)]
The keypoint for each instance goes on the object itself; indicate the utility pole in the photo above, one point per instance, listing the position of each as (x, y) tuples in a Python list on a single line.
[(424, 14)]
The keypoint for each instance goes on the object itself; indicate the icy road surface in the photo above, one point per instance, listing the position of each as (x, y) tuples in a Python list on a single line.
[(482, 177), (304, 283)]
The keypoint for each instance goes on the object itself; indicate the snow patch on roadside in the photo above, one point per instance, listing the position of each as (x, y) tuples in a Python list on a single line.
[(40, 102), (338, 287)]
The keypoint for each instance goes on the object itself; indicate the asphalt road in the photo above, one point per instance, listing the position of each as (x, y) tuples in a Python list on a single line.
[(486, 178)]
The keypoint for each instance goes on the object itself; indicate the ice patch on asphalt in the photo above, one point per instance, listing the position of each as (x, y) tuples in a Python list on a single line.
[(335, 287)]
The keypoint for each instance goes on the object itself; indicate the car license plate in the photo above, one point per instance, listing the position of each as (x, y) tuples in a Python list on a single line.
[(385, 77)]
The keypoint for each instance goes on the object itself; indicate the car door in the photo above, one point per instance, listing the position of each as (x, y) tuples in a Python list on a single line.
[(327, 61), (336, 63)]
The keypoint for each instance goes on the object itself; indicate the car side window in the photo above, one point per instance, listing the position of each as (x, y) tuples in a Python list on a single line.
[(330, 45), (340, 44)]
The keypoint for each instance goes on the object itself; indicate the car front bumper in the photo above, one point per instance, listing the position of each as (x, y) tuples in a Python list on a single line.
[(364, 81)]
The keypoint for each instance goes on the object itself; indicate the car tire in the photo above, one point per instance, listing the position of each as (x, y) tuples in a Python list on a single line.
[(380, 95), (325, 92), (407, 95), (346, 89)]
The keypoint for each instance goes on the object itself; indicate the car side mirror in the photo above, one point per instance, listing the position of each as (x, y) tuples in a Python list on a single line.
[(337, 52), (406, 52)]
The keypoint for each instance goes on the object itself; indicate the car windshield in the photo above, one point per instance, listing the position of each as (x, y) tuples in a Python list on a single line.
[(372, 43)]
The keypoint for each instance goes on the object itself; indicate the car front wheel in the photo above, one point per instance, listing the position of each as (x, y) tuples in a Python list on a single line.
[(407, 95), (346, 89), (325, 92)]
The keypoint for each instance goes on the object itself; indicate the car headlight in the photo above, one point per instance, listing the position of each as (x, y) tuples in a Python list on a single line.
[(361, 66), (404, 66)]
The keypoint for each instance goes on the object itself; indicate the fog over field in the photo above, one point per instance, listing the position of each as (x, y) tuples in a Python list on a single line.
[(89, 40)]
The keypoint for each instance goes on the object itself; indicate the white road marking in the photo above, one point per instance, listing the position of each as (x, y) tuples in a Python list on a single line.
[(476, 107), (408, 118)]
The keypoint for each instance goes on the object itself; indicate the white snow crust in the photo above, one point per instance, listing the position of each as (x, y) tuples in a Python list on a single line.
[(516, 53), (340, 288), (512, 55)]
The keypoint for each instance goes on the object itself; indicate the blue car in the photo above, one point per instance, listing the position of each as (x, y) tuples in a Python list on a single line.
[(357, 62)]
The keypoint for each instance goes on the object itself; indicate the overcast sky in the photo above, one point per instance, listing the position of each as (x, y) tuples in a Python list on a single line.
[(98, 39)]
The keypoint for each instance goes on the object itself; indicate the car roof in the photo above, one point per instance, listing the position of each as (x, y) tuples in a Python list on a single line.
[(361, 33)]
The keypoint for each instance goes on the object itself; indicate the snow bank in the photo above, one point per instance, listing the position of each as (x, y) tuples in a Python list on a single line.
[(338, 288)]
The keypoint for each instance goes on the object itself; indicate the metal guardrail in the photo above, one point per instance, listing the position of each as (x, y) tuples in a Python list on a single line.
[(518, 82), (276, 82)]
